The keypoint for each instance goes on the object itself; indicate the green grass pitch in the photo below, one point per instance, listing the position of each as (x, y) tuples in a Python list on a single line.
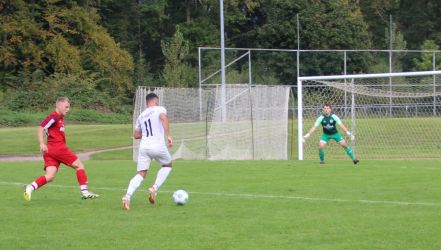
[(24, 140), (233, 205)]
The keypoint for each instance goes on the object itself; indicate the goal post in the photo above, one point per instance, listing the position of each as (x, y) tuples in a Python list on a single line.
[(393, 115), (255, 126)]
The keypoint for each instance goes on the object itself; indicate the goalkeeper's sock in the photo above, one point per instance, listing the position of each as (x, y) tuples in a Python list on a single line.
[(134, 183), (162, 176), (322, 155), (350, 152)]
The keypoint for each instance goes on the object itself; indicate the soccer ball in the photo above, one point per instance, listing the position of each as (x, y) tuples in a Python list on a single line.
[(180, 197)]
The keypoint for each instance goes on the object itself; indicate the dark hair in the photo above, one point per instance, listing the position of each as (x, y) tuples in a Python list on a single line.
[(327, 104), (150, 96)]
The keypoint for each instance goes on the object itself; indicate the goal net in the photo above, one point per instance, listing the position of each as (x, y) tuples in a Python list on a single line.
[(252, 122), (185, 108), (393, 116)]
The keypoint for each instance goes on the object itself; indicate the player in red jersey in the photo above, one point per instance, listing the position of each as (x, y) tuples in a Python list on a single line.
[(56, 152)]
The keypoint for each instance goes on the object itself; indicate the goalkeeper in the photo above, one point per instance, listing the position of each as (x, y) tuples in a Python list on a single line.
[(329, 120)]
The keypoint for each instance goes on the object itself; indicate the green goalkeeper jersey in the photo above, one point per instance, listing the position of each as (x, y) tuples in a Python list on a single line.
[(329, 123)]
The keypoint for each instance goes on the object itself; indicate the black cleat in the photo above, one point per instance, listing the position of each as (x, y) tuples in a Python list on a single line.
[(322, 162), (356, 161)]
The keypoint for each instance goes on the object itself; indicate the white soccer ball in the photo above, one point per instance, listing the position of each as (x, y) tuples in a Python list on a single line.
[(180, 197)]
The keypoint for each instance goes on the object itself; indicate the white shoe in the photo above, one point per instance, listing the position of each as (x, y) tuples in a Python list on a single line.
[(88, 195), (125, 203), (152, 195), (28, 192)]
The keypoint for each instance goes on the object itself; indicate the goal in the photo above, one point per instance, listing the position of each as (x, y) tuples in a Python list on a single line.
[(251, 124), (392, 115)]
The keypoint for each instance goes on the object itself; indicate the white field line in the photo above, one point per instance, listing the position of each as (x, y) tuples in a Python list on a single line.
[(257, 196)]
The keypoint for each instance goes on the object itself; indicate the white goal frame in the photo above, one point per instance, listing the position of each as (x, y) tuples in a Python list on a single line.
[(348, 78)]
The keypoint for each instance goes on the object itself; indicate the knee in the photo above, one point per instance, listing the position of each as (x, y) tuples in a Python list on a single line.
[(77, 165), (143, 173), (167, 165)]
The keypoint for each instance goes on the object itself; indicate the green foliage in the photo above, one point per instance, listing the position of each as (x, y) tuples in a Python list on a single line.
[(80, 137), (425, 61), (376, 14), (65, 57), (176, 71), (9, 118), (381, 65), (122, 44), (59, 38), (324, 25), (142, 75), (395, 39), (28, 100), (419, 21), (139, 26), (80, 88)]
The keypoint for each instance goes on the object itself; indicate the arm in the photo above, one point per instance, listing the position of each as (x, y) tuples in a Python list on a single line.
[(342, 126), (164, 120), (313, 128), (137, 131), (45, 124), (345, 130), (137, 134), (43, 146), (307, 135)]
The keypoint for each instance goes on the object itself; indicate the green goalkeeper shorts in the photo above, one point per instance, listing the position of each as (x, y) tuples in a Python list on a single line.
[(337, 137)]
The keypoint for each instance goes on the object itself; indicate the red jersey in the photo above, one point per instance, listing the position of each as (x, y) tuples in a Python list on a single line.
[(53, 124)]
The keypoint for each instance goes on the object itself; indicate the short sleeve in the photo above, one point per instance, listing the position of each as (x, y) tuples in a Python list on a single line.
[(337, 119), (318, 121), (162, 110), (138, 124), (49, 121)]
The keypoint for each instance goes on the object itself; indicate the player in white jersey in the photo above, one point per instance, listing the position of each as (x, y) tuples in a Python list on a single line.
[(151, 127)]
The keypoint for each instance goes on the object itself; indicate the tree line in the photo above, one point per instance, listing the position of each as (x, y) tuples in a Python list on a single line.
[(98, 51)]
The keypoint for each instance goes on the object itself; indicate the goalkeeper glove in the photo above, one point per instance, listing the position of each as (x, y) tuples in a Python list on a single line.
[(305, 137), (350, 135)]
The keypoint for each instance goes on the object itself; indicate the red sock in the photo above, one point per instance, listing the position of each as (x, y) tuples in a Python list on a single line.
[(39, 182), (81, 177)]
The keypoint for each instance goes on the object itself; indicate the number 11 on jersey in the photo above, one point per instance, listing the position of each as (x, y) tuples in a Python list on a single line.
[(148, 128)]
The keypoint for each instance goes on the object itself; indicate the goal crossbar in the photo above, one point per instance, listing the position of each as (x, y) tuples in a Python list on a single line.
[(378, 75)]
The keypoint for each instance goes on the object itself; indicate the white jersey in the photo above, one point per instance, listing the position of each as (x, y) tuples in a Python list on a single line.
[(151, 127)]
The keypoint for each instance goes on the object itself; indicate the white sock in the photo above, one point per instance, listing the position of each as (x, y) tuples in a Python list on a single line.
[(134, 183), (161, 176), (83, 188)]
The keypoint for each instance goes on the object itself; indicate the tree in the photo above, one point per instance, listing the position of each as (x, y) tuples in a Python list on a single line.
[(395, 39), (425, 60), (139, 26), (21, 52), (419, 21), (376, 13), (60, 37), (176, 71), (335, 24)]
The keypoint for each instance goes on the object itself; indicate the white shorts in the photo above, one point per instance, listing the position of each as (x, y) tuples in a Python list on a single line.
[(146, 155)]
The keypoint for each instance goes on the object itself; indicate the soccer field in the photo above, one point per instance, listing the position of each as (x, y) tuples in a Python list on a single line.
[(233, 205)]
